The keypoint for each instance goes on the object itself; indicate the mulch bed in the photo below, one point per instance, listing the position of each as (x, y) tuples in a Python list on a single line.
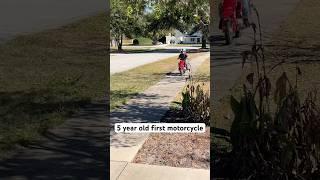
[(183, 150)]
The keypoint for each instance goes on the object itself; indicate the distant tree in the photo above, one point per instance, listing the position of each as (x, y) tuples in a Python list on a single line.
[(127, 19), (156, 18), (183, 15), (201, 21)]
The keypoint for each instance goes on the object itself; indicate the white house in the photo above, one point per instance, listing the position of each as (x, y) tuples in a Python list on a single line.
[(180, 38)]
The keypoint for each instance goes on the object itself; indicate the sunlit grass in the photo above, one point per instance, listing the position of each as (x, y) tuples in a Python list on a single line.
[(45, 77)]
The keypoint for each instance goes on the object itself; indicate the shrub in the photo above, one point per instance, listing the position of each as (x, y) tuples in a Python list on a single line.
[(135, 42), (195, 104)]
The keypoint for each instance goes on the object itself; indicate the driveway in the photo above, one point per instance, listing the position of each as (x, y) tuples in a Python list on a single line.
[(21, 16)]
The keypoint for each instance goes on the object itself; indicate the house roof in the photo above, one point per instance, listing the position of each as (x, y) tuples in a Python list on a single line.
[(196, 34)]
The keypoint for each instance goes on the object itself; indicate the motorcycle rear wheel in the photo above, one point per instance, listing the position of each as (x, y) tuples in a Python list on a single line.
[(237, 35)]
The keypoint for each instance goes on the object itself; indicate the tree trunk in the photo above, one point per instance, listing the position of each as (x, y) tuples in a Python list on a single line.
[(120, 43), (154, 38), (213, 18)]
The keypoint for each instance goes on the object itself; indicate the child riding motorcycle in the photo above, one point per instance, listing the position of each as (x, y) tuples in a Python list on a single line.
[(183, 60), (183, 55)]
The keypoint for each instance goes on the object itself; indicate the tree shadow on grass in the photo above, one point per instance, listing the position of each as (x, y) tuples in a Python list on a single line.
[(119, 97)]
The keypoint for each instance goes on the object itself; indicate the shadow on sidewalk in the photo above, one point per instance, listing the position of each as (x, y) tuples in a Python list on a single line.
[(143, 109)]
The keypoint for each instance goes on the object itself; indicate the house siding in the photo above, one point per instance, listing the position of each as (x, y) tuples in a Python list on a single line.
[(180, 38)]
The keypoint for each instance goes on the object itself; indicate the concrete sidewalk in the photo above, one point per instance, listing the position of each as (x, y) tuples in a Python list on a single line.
[(150, 106), (132, 171)]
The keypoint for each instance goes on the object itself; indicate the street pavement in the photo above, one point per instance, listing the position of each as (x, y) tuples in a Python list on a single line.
[(120, 62), (27, 16), (124, 62)]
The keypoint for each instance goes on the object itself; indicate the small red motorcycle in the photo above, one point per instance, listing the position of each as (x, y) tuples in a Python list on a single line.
[(230, 19), (182, 67)]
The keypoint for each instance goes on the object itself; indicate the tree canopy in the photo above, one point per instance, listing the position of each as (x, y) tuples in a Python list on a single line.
[(157, 17), (127, 19)]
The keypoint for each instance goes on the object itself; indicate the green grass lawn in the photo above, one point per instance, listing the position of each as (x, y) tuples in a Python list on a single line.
[(203, 72), (144, 41), (128, 50), (47, 76)]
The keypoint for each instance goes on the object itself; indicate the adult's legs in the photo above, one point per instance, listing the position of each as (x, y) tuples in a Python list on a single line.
[(246, 8), (245, 11)]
